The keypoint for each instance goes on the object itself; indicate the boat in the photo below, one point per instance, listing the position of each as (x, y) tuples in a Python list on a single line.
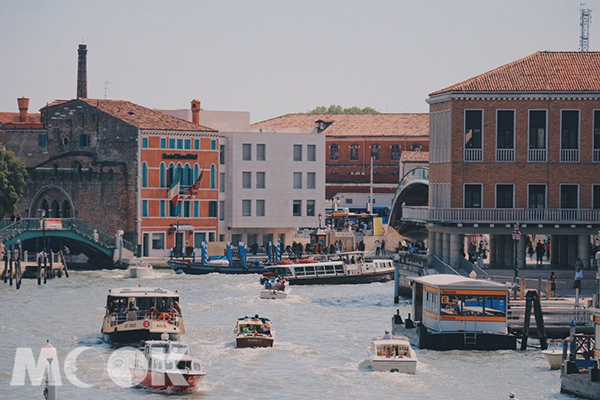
[(393, 355), (216, 264), (343, 268), (166, 365), (134, 315), (453, 312), (275, 288), (253, 332), (554, 353), (139, 269)]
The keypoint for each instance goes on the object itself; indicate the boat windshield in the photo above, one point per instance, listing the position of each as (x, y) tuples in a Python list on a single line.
[(392, 350), (159, 349), (179, 349)]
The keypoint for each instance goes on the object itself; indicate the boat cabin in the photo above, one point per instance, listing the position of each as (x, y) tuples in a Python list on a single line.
[(136, 303), (392, 348), (452, 303)]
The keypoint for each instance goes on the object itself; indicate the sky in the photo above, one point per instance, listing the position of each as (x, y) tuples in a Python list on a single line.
[(271, 57)]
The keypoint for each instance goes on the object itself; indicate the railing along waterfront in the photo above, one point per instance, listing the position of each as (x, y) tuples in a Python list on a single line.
[(495, 215)]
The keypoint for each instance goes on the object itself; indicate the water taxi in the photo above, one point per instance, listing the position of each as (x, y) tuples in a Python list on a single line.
[(455, 312), (275, 288), (137, 314), (253, 332), (554, 353), (344, 268), (392, 355), (139, 269), (166, 365)]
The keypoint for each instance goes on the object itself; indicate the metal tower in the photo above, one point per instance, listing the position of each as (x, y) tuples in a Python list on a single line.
[(585, 20)]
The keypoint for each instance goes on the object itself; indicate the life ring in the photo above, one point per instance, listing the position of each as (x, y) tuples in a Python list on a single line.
[(284, 262), (306, 260), (165, 317), (146, 324)]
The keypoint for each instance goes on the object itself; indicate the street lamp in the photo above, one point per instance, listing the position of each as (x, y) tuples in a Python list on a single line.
[(49, 353), (516, 235), (43, 223), (320, 218)]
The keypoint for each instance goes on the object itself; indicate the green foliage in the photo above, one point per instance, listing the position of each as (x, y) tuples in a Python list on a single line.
[(12, 181), (337, 109)]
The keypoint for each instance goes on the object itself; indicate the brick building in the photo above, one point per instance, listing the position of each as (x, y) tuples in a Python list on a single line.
[(351, 141), (518, 144)]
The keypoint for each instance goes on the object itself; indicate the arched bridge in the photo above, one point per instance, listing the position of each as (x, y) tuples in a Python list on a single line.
[(413, 190), (79, 235)]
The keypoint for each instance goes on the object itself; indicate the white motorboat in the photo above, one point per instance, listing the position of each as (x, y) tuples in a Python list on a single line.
[(554, 353), (139, 269), (275, 289), (167, 365), (393, 355)]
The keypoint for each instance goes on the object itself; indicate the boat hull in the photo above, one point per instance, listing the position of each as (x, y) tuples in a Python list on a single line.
[(242, 342), (135, 336), (202, 269), (273, 294), (139, 272), (406, 366), (178, 382), (554, 358), (341, 279)]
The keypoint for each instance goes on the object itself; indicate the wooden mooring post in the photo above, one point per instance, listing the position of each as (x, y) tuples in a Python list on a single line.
[(532, 299)]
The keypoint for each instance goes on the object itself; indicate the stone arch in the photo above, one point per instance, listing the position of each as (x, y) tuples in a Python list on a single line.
[(55, 210), (43, 199)]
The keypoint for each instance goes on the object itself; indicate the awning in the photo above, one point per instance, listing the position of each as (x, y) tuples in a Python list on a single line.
[(183, 227)]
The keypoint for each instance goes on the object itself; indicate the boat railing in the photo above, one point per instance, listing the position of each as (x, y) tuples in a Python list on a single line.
[(173, 318)]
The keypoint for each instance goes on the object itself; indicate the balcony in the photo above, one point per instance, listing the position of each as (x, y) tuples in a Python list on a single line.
[(571, 155), (498, 215), (596, 155), (505, 155), (473, 155), (538, 155)]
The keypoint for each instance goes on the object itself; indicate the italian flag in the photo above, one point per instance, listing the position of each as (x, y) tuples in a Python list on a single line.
[(174, 189)]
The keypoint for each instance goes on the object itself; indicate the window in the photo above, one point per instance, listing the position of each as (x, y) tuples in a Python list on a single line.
[(310, 208), (180, 144), (267, 238), (144, 143), (246, 152), (297, 208), (260, 208), (505, 129), (375, 152), (246, 208), (84, 140), (236, 238), (570, 129), (297, 180), (174, 211), (596, 197), (162, 207), (212, 209), (354, 149), (222, 182), (260, 152), (144, 174), (42, 140), (158, 241), (297, 152), (334, 152), (213, 144), (196, 209), (222, 154), (395, 152), (310, 180), (252, 239), (596, 135), (187, 144), (144, 208), (260, 180), (311, 152), (197, 144), (199, 237), (246, 180), (213, 176), (537, 197), (163, 143), (186, 209), (537, 129), (473, 196), (504, 196), (473, 129), (569, 198), (221, 210), (162, 175), (171, 143)]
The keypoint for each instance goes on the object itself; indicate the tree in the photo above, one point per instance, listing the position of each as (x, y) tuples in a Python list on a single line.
[(337, 109), (12, 181)]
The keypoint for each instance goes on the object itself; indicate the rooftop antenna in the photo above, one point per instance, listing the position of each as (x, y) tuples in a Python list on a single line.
[(106, 83), (584, 22)]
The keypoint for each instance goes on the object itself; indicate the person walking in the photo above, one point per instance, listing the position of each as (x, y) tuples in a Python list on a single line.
[(577, 279), (539, 252), (377, 248), (383, 247), (552, 280)]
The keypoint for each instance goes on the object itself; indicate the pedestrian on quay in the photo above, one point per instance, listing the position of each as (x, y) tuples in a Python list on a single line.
[(577, 279), (552, 280), (539, 252), (597, 258)]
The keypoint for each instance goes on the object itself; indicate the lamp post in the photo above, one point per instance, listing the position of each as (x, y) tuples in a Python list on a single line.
[(320, 218), (49, 353), (43, 223), (516, 235)]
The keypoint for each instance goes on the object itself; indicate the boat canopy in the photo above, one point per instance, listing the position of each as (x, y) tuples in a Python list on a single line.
[(142, 292), (457, 282)]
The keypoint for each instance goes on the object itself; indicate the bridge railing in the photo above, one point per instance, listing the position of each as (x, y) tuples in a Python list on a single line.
[(89, 232)]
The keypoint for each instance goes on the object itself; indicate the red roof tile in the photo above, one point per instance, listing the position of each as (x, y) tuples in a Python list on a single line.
[(7, 117), (138, 116), (404, 124), (544, 71)]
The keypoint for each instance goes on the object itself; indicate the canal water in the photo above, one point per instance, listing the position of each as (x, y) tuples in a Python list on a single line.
[(322, 333)]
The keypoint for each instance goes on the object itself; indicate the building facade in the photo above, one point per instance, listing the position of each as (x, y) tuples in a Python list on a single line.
[(517, 145)]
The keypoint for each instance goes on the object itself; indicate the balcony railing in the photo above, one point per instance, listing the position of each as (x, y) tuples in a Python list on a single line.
[(569, 155), (538, 155), (473, 155), (596, 155), (495, 215), (505, 155)]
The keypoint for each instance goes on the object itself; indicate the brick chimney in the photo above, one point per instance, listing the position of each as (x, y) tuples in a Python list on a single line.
[(23, 108), (82, 72), (196, 111)]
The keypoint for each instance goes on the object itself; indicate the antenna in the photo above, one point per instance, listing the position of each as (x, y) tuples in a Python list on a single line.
[(106, 83), (585, 21)]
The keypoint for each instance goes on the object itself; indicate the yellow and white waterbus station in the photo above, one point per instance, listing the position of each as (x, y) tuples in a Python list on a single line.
[(456, 312)]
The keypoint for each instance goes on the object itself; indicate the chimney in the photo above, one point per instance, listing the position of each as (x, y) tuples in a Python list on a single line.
[(23, 108), (196, 111), (82, 72)]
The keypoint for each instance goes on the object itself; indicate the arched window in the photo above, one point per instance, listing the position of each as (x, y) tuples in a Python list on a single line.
[(213, 176), (196, 173), (395, 152), (45, 207), (144, 174), (187, 176), (163, 182), (375, 152), (55, 210), (170, 175), (354, 148), (66, 209), (334, 152)]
